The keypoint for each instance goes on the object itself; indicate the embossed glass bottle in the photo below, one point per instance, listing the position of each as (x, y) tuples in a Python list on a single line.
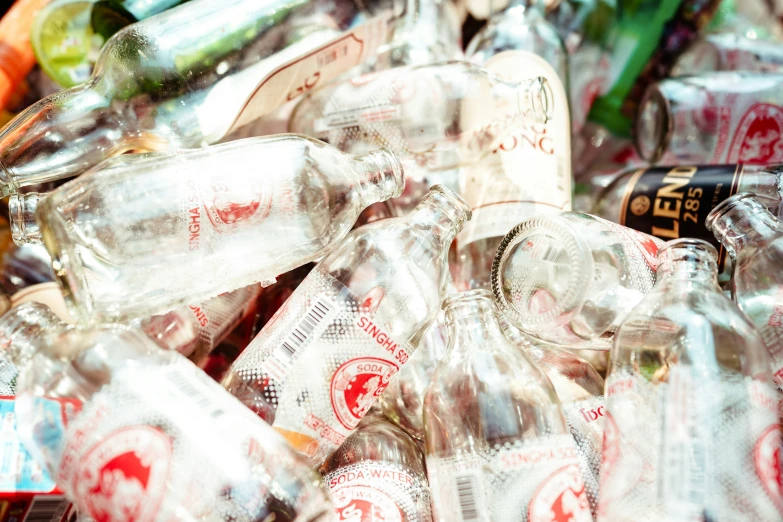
[(571, 278), (752, 237), (144, 235), (136, 429), (378, 475), (329, 352), (443, 116), (188, 77), (497, 445), (690, 424)]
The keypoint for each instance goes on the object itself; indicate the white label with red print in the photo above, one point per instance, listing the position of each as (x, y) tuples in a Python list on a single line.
[(373, 490), (586, 422), (529, 173), (533, 481), (323, 361)]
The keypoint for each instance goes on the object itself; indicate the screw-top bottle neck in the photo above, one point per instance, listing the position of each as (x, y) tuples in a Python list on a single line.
[(442, 212), (24, 227), (742, 220), (382, 176), (690, 260), (22, 329)]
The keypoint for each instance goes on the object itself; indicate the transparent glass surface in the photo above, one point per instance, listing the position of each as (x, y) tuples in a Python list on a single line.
[(572, 278), (188, 77), (691, 429), (442, 116), (143, 236), (124, 426), (315, 370), (730, 52), (378, 462)]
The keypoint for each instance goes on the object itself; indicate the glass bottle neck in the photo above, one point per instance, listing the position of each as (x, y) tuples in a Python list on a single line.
[(24, 227), (690, 262), (22, 330), (744, 222), (442, 213), (381, 177), (471, 319)]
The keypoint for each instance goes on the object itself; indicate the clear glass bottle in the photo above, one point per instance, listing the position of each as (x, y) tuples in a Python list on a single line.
[(326, 356), (188, 77), (572, 278), (673, 202), (403, 401), (142, 236), (442, 116), (195, 330), (529, 173), (580, 390), (378, 475), (497, 445), (691, 425), (713, 118), (107, 17), (136, 429), (730, 52), (752, 237)]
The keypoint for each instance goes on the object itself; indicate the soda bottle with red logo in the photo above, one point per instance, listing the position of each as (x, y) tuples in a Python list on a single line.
[(580, 390), (322, 361), (529, 172), (378, 475), (572, 278), (713, 118), (142, 236), (125, 427), (752, 237), (497, 446), (690, 425), (189, 77), (442, 116), (194, 330), (730, 52), (670, 202)]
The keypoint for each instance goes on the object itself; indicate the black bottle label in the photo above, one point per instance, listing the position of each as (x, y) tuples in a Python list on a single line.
[(673, 202)]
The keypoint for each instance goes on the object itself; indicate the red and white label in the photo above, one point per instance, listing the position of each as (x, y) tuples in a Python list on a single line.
[(561, 498), (767, 456), (124, 476), (365, 504), (229, 209), (356, 385), (757, 139)]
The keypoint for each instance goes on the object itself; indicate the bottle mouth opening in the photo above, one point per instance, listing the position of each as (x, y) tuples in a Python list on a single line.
[(449, 202), (24, 227), (541, 97), (479, 294), (653, 129), (541, 274), (689, 251), (748, 201)]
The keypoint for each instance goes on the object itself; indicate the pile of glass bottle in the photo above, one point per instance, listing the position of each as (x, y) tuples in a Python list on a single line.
[(405, 309)]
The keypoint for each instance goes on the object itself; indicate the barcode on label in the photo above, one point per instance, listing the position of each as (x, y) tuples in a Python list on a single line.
[(47, 509), (192, 388), (467, 494), (285, 354)]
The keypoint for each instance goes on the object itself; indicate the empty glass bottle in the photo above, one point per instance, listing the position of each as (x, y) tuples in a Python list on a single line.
[(497, 445), (691, 425), (730, 52), (320, 364), (195, 330), (403, 401), (378, 475), (572, 278), (144, 235), (580, 390), (673, 202), (713, 118), (443, 116), (107, 17), (136, 429), (529, 173), (751, 235), (188, 77)]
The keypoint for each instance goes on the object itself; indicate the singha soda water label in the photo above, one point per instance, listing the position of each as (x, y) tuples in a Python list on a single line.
[(161, 441), (673, 202), (377, 490), (534, 481), (585, 421), (529, 172), (322, 361), (690, 447)]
